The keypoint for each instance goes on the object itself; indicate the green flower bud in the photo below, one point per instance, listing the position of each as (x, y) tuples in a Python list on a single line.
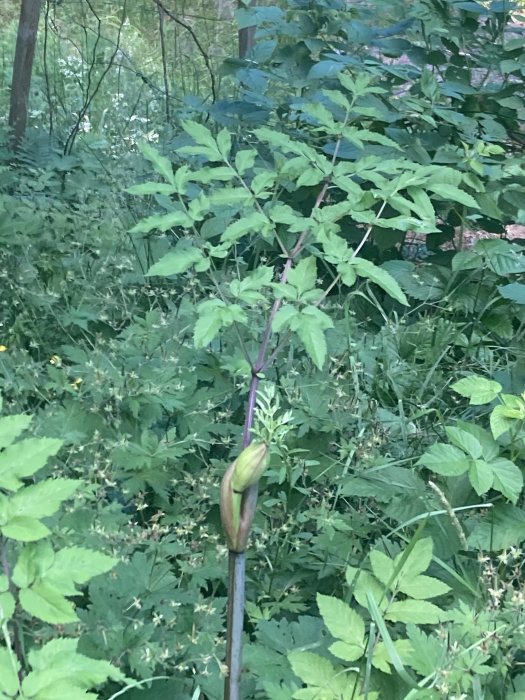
[(249, 466)]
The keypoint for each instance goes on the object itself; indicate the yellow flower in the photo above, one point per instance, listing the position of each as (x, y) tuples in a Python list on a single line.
[(76, 382), (55, 360), (3, 348)]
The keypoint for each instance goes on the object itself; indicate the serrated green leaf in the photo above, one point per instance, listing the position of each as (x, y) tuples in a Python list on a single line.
[(7, 609), (310, 331), (422, 587), (76, 565), (11, 427), (382, 566), (367, 269), (465, 441), (311, 668), (452, 194), (245, 159), (175, 262), (478, 389), (24, 459), (230, 196), (150, 188), (344, 624), (466, 260), (381, 658), (362, 582), (24, 529), (58, 660), (163, 222), (283, 317), (513, 292), (254, 223), (304, 275), (209, 323), (445, 459), (47, 604), (500, 422), (200, 134), (420, 612), (9, 669), (481, 476), (427, 653), (417, 561), (508, 478), (160, 163), (42, 499)]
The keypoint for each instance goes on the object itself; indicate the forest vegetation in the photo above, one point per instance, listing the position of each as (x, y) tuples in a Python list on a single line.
[(265, 245)]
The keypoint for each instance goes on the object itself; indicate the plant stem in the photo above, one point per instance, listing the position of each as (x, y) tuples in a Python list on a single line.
[(235, 619)]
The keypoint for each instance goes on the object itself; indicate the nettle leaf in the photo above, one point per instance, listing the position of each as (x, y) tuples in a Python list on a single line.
[(382, 278), (160, 163), (209, 322), (478, 389), (508, 478), (304, 275), (176, 262), (465, 441), (24, 459), (481, 476), (11, 427), (445, 459), (344, 624), (420, 612), (283, 317), (310, 325)]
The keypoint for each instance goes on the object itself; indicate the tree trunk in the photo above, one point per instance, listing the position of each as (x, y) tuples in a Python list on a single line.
[(23, 67), (246, 35)]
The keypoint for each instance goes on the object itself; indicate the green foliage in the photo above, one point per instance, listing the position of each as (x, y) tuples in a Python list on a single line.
[(138, 282), (38, 579)]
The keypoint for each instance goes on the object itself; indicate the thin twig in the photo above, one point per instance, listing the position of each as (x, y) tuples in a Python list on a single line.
[(203, 53)]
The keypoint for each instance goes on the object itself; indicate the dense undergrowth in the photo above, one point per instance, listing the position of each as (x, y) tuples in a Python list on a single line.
[(136, 283)]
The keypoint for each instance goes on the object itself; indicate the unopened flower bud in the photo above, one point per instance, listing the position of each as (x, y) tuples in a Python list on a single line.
[(249, 466)]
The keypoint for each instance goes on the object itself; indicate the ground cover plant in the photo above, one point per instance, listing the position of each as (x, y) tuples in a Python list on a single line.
[(199, 258)]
